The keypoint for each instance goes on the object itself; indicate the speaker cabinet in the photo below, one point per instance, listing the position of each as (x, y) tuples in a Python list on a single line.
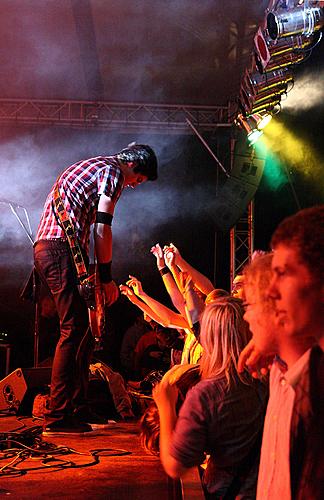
[(19, 387), (238, 190)]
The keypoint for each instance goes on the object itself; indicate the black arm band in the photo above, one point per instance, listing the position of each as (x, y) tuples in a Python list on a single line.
[(164, 270), (104, 218), (104, 271)]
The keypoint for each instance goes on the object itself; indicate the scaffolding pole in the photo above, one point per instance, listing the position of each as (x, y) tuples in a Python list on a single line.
[(242, 242)]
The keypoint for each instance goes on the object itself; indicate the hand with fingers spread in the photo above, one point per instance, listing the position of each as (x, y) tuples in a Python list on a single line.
[(136, 285), (127, 291)]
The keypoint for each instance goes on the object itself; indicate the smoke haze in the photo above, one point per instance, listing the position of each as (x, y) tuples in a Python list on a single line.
[(307, 93)]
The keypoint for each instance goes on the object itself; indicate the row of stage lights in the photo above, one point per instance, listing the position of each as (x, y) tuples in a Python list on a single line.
[(290, 31)]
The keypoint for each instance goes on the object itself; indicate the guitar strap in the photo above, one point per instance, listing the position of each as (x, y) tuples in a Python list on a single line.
[(67, 225), (87, 283)]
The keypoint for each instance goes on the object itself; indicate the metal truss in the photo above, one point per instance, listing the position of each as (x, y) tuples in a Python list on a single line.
[(114, 115), (242, 241)]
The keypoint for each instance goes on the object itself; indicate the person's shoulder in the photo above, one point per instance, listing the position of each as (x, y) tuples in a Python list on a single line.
[(102, 161), (110, 161), (209, 388), (254, 390)]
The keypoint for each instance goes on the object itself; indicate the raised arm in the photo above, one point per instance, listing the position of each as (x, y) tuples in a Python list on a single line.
[(169, 259), (129, 292), (103, 247), (168, 279), (194, 305), (170, 318), (165, 396), (200, 280)]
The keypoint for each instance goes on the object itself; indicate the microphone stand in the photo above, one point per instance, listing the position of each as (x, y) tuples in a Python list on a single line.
[(27, 229)]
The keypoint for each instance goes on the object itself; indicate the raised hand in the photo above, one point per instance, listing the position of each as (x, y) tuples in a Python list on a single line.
[(125, 290), (135, 284), (156, 250), (171, 254)]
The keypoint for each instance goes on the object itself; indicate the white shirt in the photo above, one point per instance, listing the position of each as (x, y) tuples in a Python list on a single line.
[(274, 471)]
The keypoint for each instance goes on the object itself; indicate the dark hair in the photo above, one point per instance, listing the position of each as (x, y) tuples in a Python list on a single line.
[(304, 231), (143, 156)]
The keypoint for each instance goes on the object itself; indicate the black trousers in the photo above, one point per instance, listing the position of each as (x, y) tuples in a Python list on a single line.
[(70, 371)]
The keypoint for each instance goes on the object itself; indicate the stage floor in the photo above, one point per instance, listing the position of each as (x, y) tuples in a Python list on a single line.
[(111, 465)]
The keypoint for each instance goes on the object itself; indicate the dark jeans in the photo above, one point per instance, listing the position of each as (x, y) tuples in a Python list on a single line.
[(70, 371)]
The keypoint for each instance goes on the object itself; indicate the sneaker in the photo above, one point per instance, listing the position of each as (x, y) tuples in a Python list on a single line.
[(89, 417), (67, 427)]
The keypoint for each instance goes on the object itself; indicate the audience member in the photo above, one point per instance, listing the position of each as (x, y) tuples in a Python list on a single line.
[(291, 463), (170, 276), (221, 416), (185, 377), (153, 350), (130, 339), (175, 260), (165, 316), (237, 286)]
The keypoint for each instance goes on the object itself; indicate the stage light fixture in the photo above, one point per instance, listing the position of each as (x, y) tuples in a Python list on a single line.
[(271, 95), (262, 120), (286, 60), (262, 98), (262, 52), (249, 124), (254, 136), (298, 20), (283, 52), (264, 82), (271, 106), (284, 39), (245, 100), (294, 43)]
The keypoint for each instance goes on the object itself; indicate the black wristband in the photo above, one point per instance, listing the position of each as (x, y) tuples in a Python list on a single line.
[(104, 271), (164, 270), (104, 218)]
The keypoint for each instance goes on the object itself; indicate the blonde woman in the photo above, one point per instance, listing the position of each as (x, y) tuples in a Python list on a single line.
[(222, 416)]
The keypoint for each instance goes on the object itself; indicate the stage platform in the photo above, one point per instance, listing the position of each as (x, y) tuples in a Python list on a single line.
[(111, 465)]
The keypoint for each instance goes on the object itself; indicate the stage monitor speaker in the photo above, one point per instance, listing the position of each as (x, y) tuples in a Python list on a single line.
[(238, 190), (19, 387)]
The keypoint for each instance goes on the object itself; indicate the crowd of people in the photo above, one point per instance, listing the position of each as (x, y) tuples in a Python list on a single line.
[(239, 389), (251, 416)]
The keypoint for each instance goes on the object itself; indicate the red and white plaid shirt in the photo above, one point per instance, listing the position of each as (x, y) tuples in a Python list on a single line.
[(80, 186)]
